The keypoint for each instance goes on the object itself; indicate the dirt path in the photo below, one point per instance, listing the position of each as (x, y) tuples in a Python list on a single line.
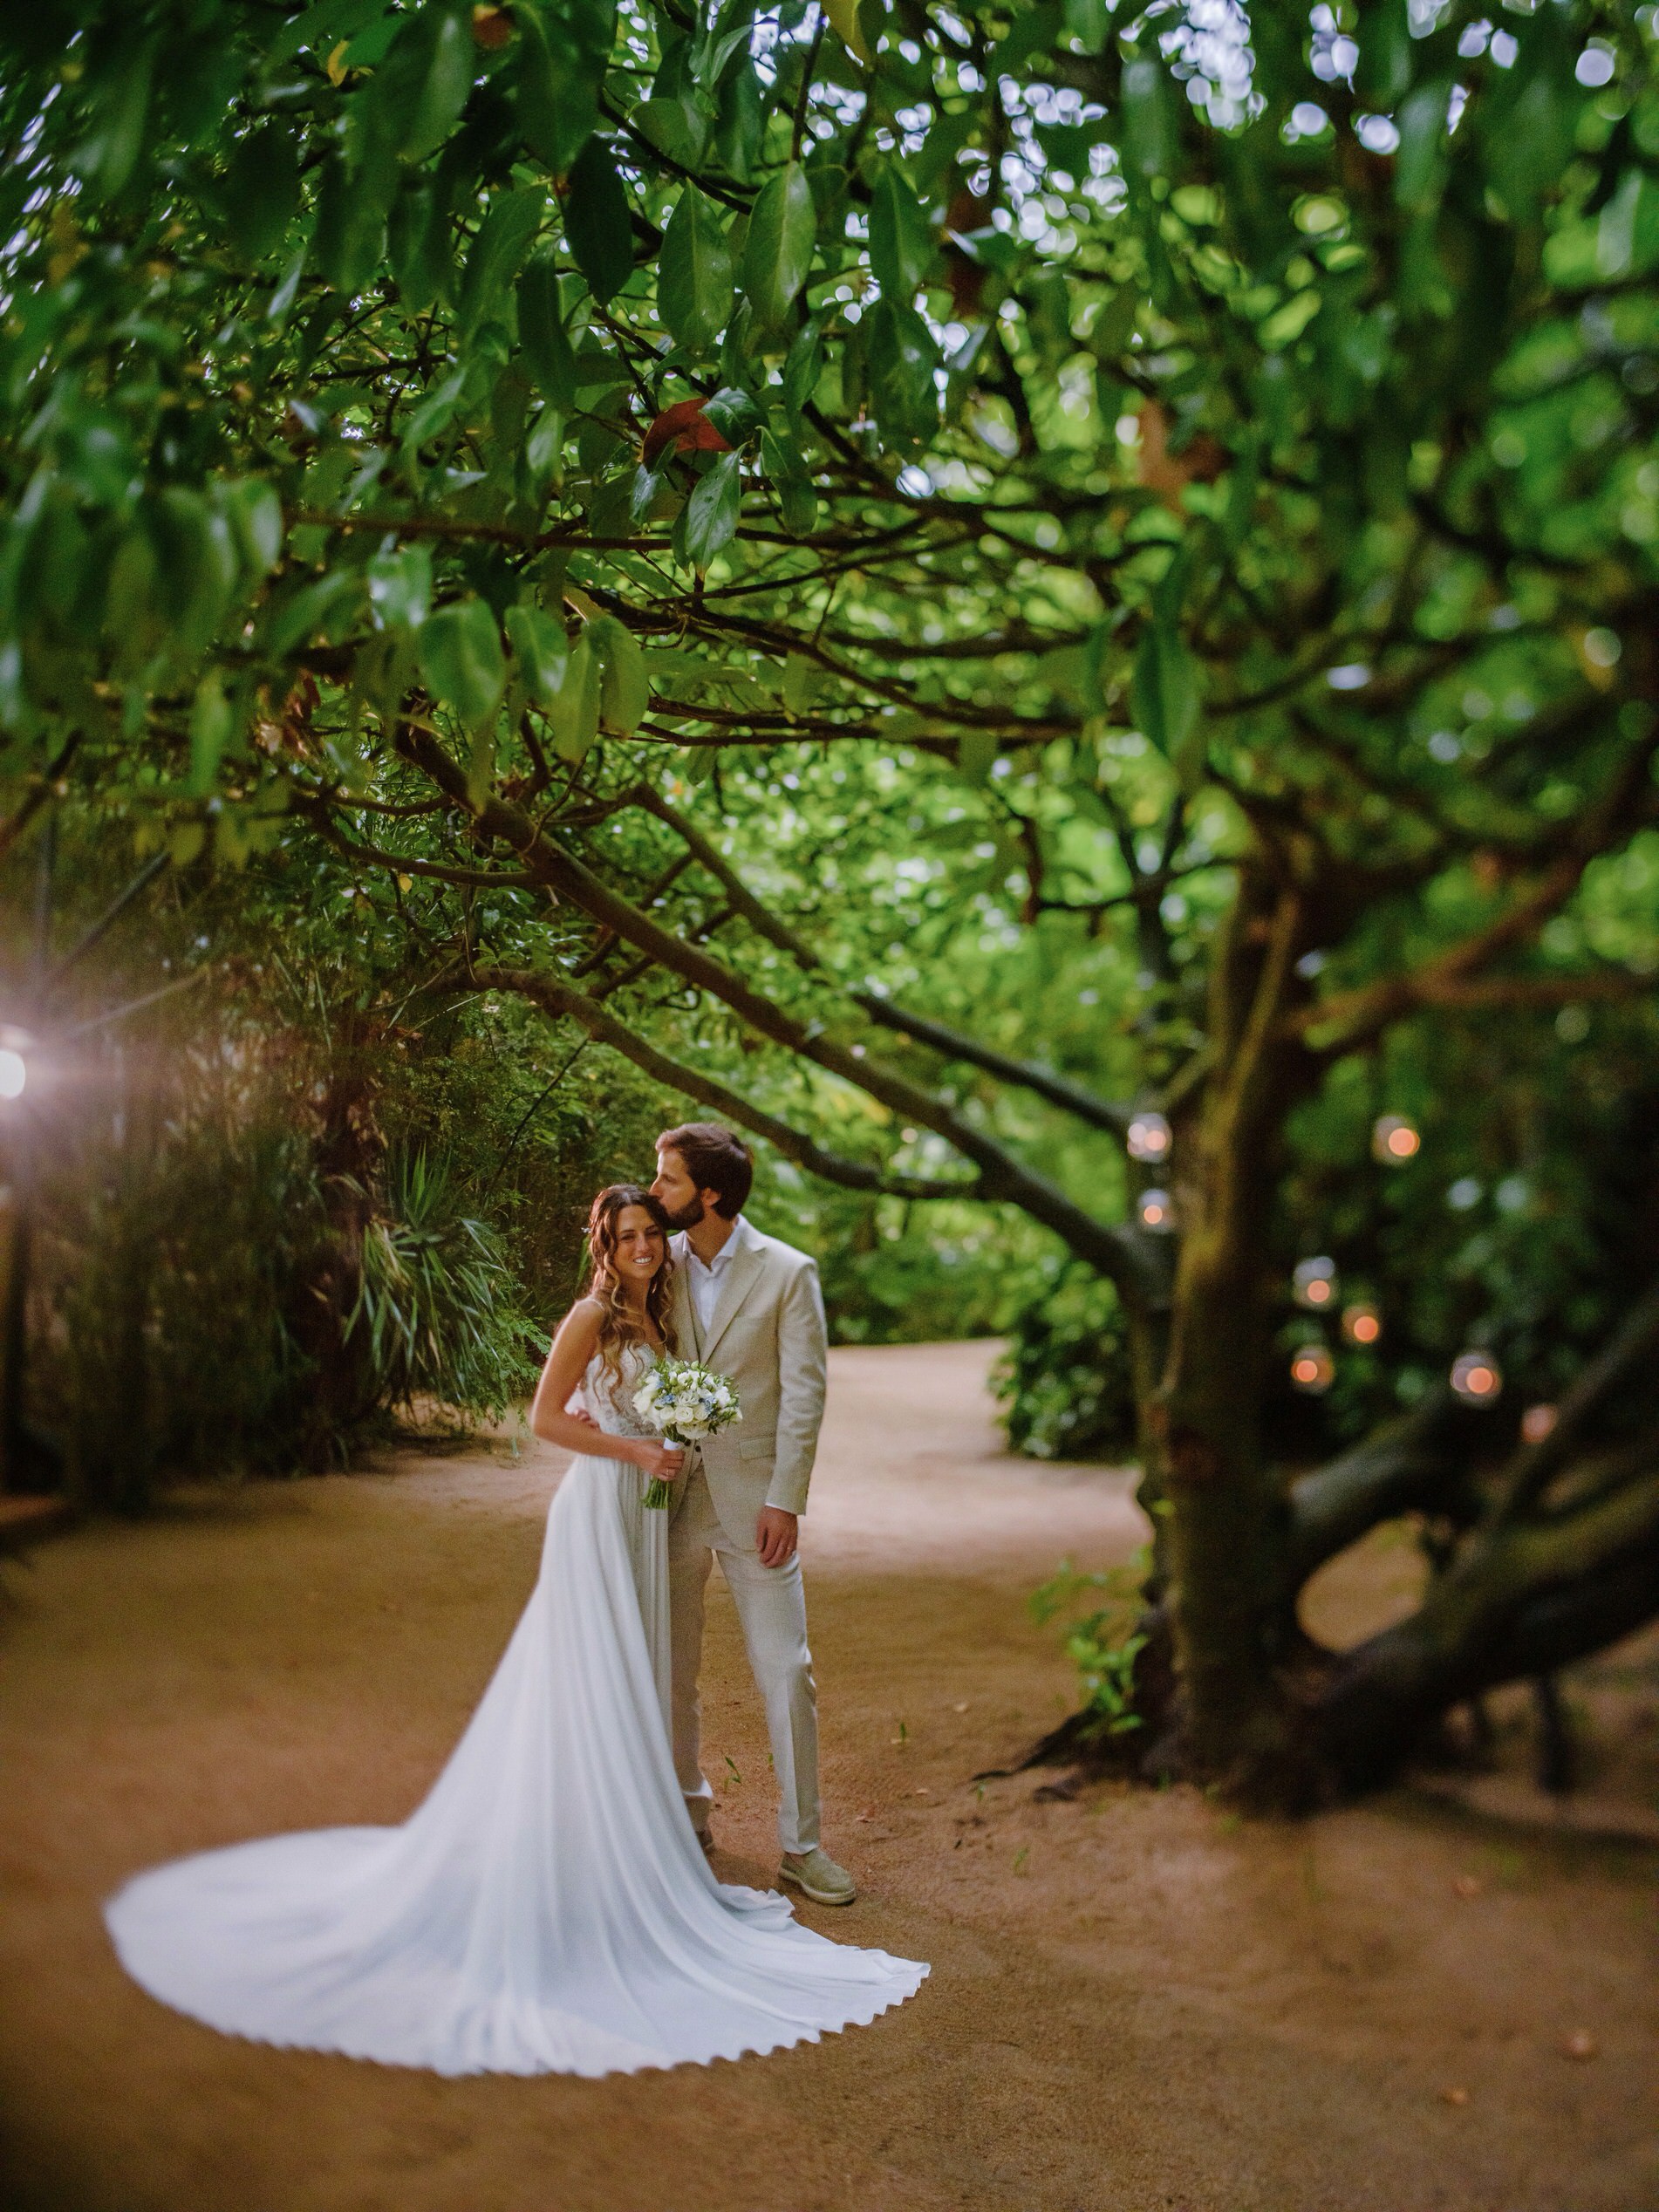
[(1137, 2004)]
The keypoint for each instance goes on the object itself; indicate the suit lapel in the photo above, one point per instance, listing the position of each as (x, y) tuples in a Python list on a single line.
[(685, 1310), (741, 1272)]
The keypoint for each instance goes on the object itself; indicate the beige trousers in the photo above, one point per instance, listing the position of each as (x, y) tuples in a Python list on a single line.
[(772, 1609)]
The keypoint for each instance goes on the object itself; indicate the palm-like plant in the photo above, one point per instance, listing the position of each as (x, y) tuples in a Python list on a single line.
[(438, 1302)]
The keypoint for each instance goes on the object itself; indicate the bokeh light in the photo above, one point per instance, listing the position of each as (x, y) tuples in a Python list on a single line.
[(1156, 1210), (1311, 1370), (1314, 1284), (1148, 1137), (14, 1073), (1477, 1377), (1393, 1139), (1361, 1324), (1537, 1422)]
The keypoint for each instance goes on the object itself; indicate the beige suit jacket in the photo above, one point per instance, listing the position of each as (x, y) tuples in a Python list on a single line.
[(768, 1334)]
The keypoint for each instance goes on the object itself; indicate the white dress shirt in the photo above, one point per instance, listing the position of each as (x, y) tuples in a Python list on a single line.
[(704, 1277)]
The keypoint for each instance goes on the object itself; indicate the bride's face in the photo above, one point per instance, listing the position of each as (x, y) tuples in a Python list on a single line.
[(640, 1247)]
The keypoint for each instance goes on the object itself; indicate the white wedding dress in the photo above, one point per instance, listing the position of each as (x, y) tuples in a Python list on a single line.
[(548, 1909)]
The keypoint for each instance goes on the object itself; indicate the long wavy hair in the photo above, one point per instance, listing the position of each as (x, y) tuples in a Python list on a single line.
[(618, 1322)]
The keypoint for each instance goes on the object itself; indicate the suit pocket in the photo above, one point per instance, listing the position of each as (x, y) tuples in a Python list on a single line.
[(758, 1448)]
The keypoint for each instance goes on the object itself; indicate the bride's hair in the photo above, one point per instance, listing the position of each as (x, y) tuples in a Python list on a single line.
[(619, 1324)]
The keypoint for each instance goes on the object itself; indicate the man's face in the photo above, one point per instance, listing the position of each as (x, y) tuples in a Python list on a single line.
[(683, 1203)]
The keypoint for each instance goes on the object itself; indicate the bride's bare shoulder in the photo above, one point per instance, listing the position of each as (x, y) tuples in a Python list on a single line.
[(579, 1330)]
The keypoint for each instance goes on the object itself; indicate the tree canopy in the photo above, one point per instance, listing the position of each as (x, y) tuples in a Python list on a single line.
[(806, 543)]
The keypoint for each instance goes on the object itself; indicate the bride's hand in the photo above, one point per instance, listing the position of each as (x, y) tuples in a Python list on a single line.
[(661, 1462)]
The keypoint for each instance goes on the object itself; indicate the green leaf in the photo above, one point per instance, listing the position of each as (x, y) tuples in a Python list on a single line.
[(673, 126), (710, 520), (256, 516), (597, 222), (544, 448), (423, 84), (901, 358), (209, 733), (1148, 128), (461, 659), (777, 255), (400, 586), (901, 239), (349, 241), (504, 237), (541, 332), (1164, 689), (436, 411), (542, 651), (975, 752), (800, 681), (1034, 29), (647, 488), (555, 91), (261, 188), (801, 367), (296, 622), (734, 413), (573, 715), (695, 282), (625, 690)]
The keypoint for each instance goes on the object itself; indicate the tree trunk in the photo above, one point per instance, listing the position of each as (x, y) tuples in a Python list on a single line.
[(1228, 1520)]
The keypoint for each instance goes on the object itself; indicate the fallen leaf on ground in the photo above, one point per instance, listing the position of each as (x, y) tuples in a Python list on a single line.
[(1468, 1886), (1580, 2044), (959, 1708), (1454, 2096)]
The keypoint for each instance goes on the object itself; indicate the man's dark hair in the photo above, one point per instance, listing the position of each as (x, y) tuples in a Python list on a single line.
[(716, 1159)]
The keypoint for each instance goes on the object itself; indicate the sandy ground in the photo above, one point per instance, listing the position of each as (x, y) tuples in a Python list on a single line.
[(1138, 2003)]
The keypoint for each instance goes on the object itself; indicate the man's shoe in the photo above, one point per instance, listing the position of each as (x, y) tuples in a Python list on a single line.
[(816, 1875)]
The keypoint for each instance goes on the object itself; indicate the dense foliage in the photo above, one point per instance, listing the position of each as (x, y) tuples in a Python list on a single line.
[(923, 575)]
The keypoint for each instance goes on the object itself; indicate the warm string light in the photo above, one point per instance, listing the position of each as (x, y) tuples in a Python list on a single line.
[(1361, 1323), (1477, 1377), (1155, 1209), (1311, 1370), (1148, 1137), (1394, 1140), (1314, 1284), (1537, 1423)]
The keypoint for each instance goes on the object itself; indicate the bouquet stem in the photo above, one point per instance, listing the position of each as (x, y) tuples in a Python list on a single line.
[(659, 1493)]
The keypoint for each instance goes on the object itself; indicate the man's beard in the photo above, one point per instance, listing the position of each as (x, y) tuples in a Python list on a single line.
[(689, 1216)]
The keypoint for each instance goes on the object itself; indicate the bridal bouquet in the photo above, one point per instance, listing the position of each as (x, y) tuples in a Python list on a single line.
[(683, 1403)]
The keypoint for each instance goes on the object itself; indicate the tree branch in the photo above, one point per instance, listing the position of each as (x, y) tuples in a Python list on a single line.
[(1353, 1018), (561, 1001), (1099, 1113), (1138, 1263)]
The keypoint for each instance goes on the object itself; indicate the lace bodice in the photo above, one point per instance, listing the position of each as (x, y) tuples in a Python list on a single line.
[(610, 1399)]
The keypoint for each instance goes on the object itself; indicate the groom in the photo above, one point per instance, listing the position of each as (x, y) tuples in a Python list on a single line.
[(749, 1308)]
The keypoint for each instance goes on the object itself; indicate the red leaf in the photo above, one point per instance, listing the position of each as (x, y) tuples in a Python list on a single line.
[(685, 429)]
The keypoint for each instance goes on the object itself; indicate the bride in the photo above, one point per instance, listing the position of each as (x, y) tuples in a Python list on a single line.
[(549, 1908)]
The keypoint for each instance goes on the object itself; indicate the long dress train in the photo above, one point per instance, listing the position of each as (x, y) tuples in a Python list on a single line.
[(547, 1908)]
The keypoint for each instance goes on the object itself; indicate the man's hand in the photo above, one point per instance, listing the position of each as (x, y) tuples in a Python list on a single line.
[(776, 1535)]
